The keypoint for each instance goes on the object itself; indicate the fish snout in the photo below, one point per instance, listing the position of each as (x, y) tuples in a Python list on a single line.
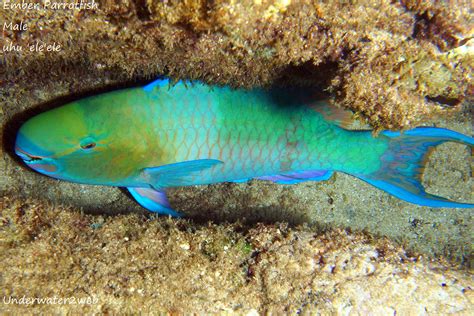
[(34, 157)]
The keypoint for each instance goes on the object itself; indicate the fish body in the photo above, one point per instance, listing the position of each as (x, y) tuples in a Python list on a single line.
[(167, 135)]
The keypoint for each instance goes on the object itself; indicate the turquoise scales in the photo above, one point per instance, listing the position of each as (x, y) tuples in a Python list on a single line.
[(250, 134), (164, 135)]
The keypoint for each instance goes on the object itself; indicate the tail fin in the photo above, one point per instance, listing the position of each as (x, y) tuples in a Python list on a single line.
[(403, 164)]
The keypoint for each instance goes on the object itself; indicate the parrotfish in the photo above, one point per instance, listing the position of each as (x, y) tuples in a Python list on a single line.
[(167, 134)]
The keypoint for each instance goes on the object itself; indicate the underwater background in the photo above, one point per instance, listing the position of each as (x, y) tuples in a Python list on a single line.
[(334, 246)]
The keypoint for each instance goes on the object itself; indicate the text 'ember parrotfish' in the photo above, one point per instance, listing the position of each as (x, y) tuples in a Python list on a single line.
[(167, 135)]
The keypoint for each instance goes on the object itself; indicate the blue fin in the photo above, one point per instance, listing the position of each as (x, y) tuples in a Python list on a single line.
[(240, 180), (403, 163), (153, 200), (299, 176), (177, 174), (161, 82), (443, 135)]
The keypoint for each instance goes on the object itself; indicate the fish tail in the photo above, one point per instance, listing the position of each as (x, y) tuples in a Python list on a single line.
[(404, 161)]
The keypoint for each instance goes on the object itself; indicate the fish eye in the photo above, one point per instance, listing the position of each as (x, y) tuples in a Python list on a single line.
[(88, 145)]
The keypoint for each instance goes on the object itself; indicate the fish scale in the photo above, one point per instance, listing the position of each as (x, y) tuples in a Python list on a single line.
[(274, 138), (165, 135)]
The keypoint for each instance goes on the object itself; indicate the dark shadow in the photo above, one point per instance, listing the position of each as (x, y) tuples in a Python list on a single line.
[(299, 85), (245, 215), (307, 75), (444, 101), (250, 216), (141, 10), (199, 215)]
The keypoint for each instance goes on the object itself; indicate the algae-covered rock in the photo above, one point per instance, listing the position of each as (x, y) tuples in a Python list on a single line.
[(385, 60), (129, 263)]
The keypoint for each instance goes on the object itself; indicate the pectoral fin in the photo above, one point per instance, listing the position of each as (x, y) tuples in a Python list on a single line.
[(153, 200), (177, 174)]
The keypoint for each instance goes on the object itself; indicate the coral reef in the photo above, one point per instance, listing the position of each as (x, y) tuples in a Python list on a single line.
[(130, 263)]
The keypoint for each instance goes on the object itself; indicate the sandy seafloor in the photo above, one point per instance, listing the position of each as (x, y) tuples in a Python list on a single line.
[(55, 258)]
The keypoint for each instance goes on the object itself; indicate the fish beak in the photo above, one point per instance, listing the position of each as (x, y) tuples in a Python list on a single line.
[(26, 157), (40, 163)]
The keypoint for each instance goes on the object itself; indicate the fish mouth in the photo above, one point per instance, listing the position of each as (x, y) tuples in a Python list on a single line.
[(39, 163), (34, 156), (25, 156)]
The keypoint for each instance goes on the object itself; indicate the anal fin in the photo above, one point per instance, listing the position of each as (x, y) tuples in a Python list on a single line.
[(240, 180), (299, 176)]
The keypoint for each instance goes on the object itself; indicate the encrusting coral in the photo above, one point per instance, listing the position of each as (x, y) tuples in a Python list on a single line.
[(387, 61)]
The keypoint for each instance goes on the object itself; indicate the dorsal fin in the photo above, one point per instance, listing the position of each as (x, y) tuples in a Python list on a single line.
[(160, 82), (343, 118)]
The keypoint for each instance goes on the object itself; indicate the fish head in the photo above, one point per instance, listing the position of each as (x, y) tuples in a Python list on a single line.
[(65, 143)]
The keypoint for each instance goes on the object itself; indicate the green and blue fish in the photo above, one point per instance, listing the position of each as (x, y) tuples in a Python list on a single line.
[(164, 135)]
